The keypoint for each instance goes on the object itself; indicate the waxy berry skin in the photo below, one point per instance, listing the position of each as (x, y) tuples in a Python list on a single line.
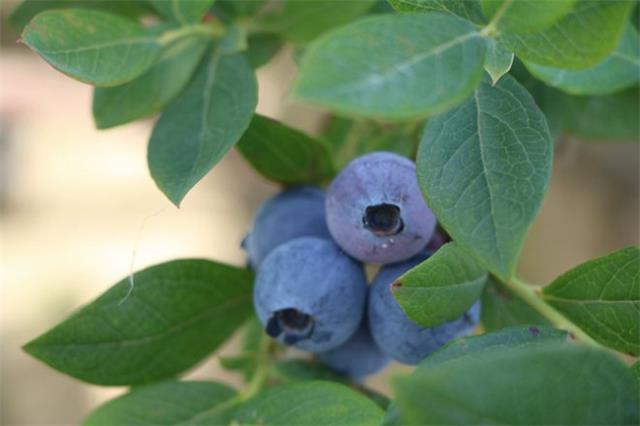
[(296, 212), (398, 336), (310, 294), (375, 210), (358, 357)]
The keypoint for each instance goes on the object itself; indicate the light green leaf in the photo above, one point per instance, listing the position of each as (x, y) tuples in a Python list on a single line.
[(150, 92), (175, 315), (522, 16), (501, 309), (602, 296), (584, 37), (498, 60), (467, 9), (547, 383), (359, 69), (202, 124), (27, 9), (302, 21), (310, 403), (95, 47), (484, 168), (283, 154), (184, 12), (619, 70), (441, 288), (166, 403)]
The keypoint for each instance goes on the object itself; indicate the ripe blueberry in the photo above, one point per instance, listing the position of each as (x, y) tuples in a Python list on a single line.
[(375, 210), (398, 336), (293, 213), (308, 293), (358, 357)]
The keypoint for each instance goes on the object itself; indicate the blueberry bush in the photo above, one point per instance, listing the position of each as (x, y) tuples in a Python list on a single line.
[(434, 160)]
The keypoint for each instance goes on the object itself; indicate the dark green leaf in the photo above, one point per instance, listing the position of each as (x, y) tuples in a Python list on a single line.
[(619, 70), (184, 12), (166, 403), (95, 47), (202, 124), (283, 154), (310, 403), (302, 21), (467, 9), (602, 297), (518, 16), (441, 288), (498, 60), (27, 9), (262, 47), (150, 92), (501, 308), (584, 37), (246, 362), (636, 370), (175, 315), (548, 383), (300, 370), (359, 69), (484, 168)]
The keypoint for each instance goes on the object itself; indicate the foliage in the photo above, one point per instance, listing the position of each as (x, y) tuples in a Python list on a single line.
[(475, 90)]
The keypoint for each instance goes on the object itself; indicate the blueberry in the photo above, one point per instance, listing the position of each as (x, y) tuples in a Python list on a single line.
[(294, 213), (375, 210), (310, 294), (358, 357), (398, 336)]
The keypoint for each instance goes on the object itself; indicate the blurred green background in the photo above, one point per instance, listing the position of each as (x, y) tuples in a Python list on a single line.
[(76, 202)]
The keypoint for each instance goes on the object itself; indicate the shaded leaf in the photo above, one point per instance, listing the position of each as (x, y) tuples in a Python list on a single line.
[(95, 47), (283, 154), (310, 403), (467, 9), (184, 12), (602, 296), (484, 168), (166, 403), (202, 124), (359, 69), (440, 289), (176, 314), (262, 48), (518, 16), (150, 92)]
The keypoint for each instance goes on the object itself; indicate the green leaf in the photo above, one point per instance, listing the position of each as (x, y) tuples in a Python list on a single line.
[(522, 16), (601, 118), (467, 9), (584, 37), (175, 315), (27, 9), (283, 154), (95, 47), (602, 296), (302, 21), (262, 48), (484, 168), (542, 384), (636, 370), (500, 341), (183, 12), (441, 288), (498, 60), (501, 309), (300, 370), (619, 70), (310, 403), (149, 93), (202, 124), (359, 69), (166, 403)]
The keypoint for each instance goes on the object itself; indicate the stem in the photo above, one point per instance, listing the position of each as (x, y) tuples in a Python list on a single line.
[(210, 29), (532, 296), (492, 27), (263, 367)]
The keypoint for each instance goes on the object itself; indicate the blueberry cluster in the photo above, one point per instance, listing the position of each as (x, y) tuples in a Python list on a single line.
[(308, 250)]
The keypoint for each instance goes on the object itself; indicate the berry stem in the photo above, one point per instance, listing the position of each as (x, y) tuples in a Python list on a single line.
[(531, 295)]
